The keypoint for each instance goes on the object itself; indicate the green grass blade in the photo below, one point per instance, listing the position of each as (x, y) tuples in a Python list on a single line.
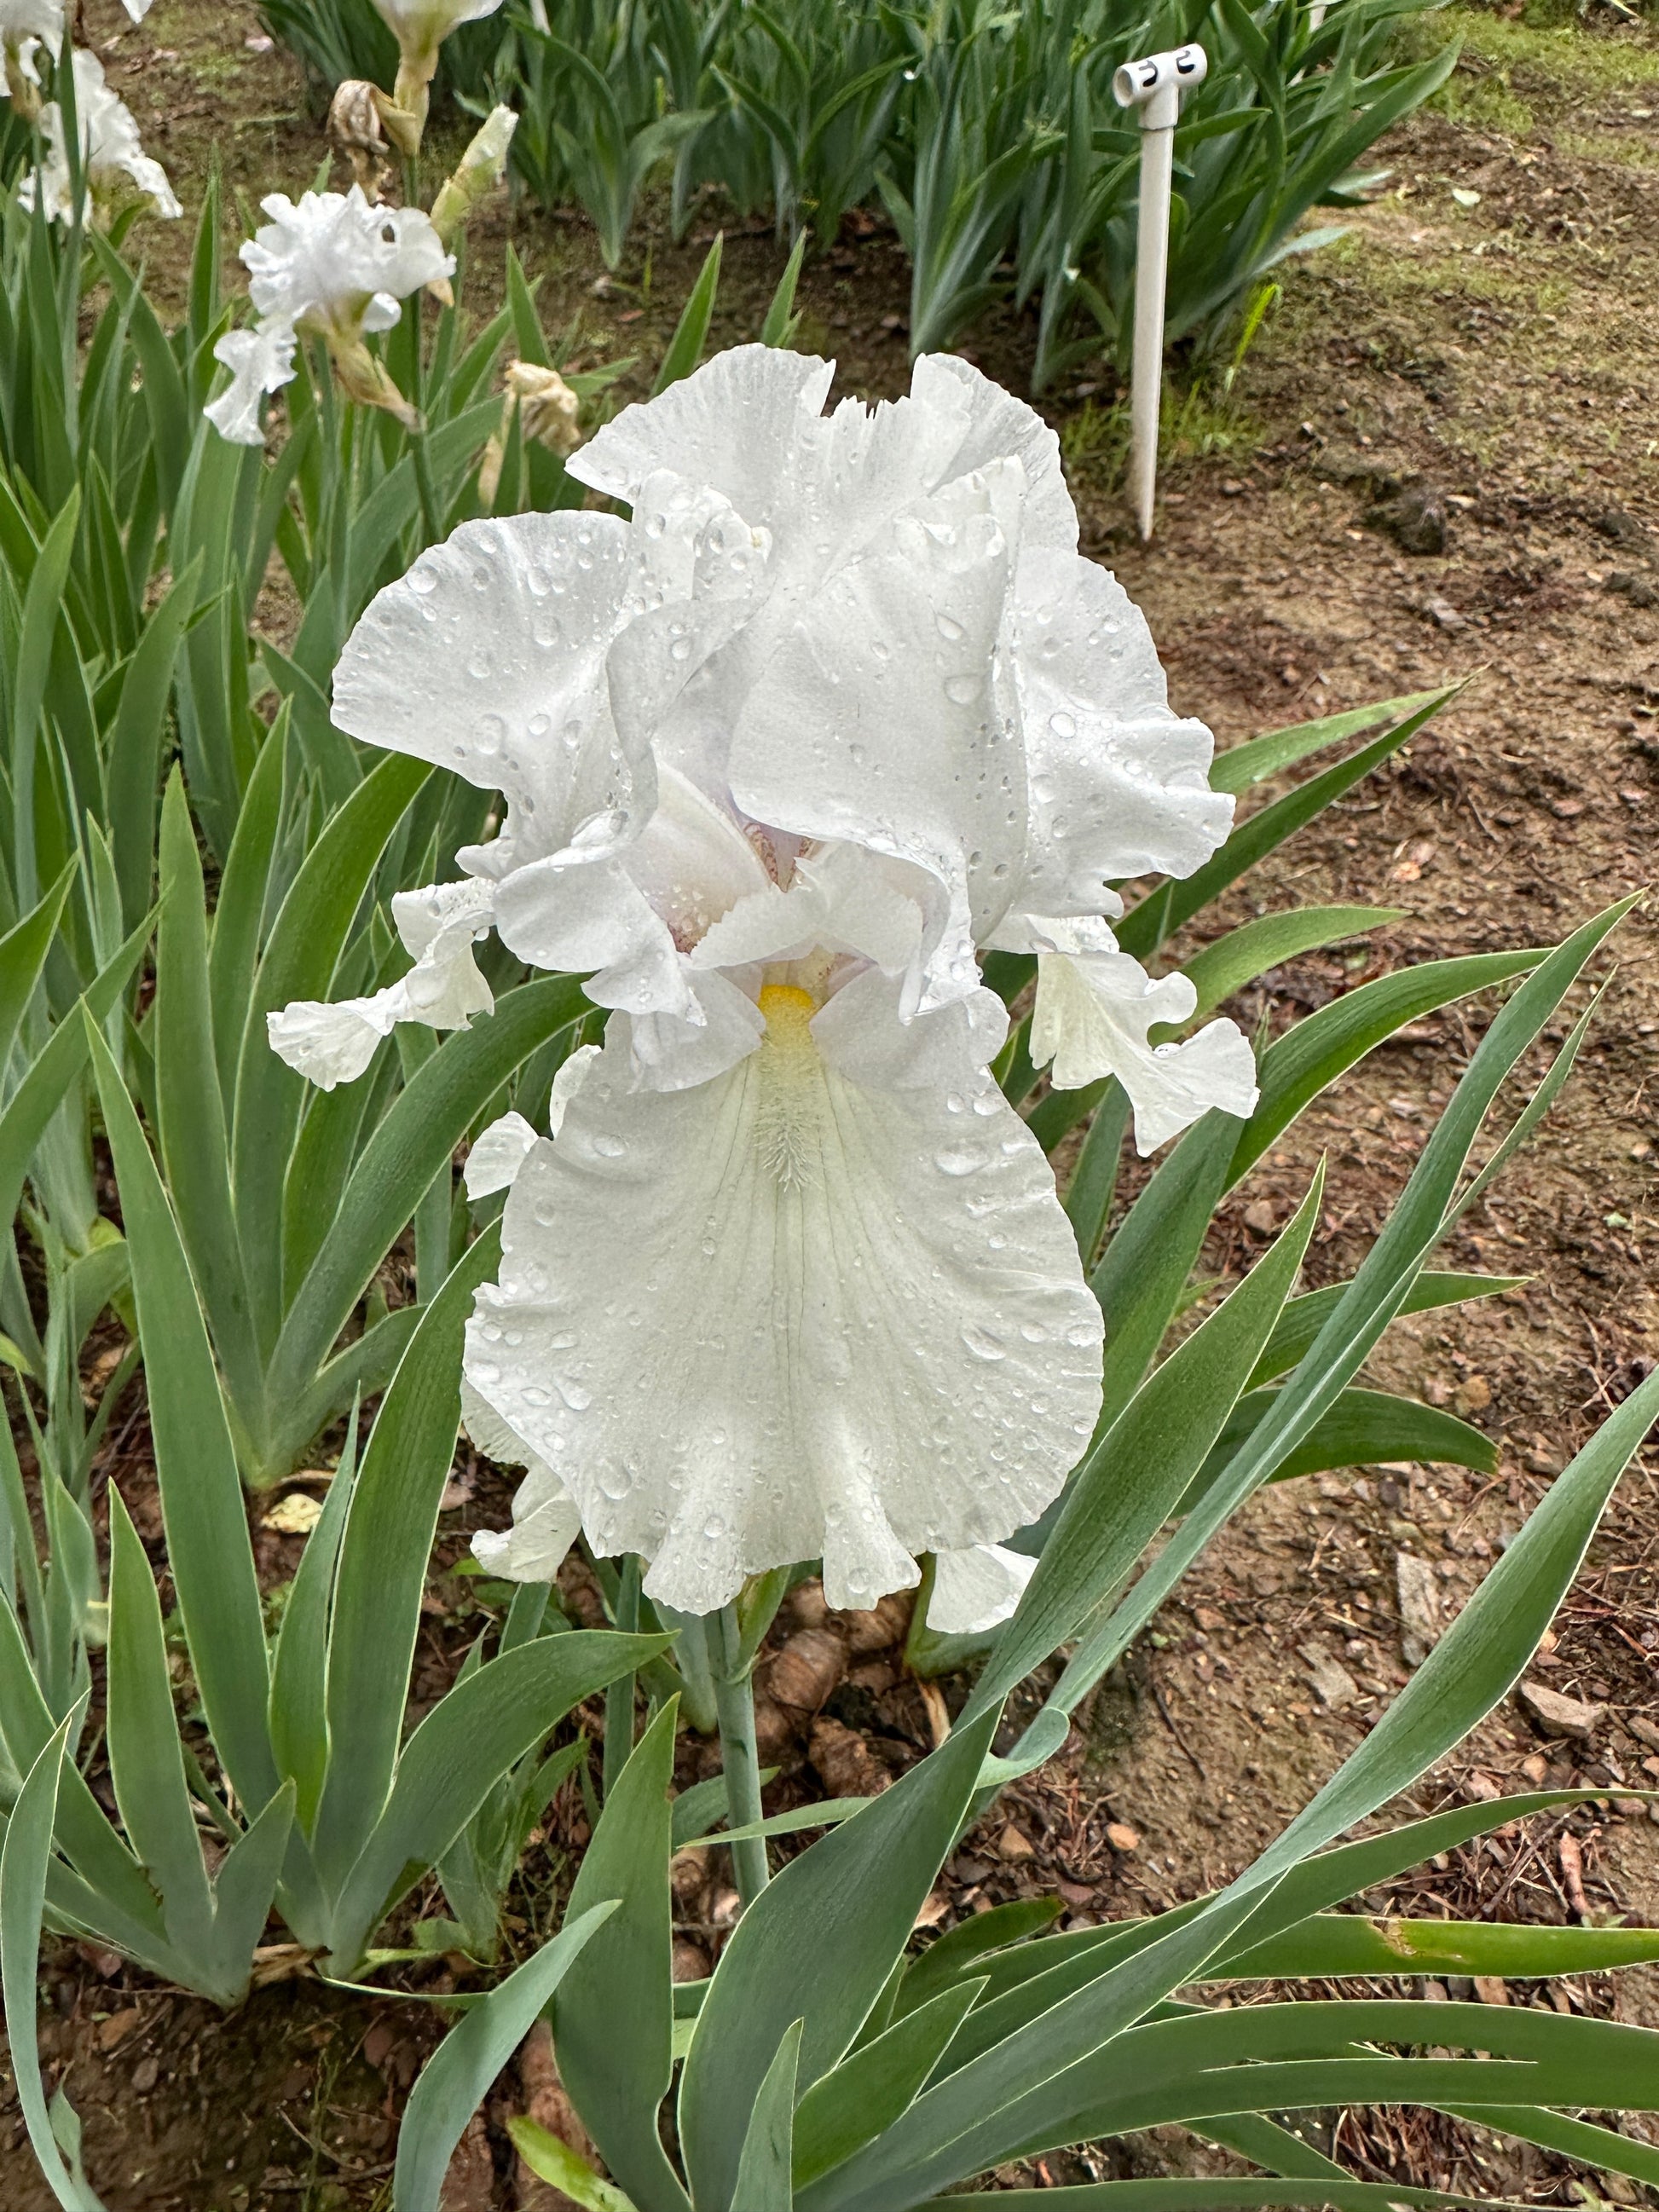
[(1133, 1477), (963, 1948), (208, 1548), (457, 2078), (1576, 2139), (43, 606), (1251, 949), (84, 1832), (1310, 1055), (782, 321), (299, 1665), (390, 1525), (835, 1920), (29, 1110), (1302, 1319), (239, 910), (1158, 917), (764, 2168), (1380, 1288), (243, 1889), (189, 1107), (23, 953), (24, 1860), (402, 1159), (299, 963), (146, 1765), (1237, 2193), (1143, 1277), (691, 331), (1345, 1943), (1361, 1428), (133, 748), (869, 2090), (466, 1743), (1257, 758), (1483, 1654), (613, 2019)]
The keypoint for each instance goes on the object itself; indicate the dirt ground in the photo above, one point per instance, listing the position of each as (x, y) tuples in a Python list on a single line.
[(1473, 370)]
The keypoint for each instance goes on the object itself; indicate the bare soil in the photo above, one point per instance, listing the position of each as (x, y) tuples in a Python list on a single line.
[(1479, 376)]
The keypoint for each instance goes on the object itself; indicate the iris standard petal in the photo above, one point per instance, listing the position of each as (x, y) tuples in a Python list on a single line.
[(999, 425), (876, 719), (488, 658), (738, 426), (780, 1316)]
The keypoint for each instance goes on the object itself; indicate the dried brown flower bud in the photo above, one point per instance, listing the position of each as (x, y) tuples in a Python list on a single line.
[(353, 129)]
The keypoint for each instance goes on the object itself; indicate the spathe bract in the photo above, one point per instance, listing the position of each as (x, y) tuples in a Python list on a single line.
[(839, 708)]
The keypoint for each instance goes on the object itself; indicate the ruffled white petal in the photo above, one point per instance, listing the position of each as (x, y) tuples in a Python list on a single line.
[(876, 720), (331, 1044), (976, 1590), (431, 19), (113, 159), (260, 361), (545, 1522), (841, 899), (865, 1033), (1094, 1010), (1119, 785), (489, 658), (322, 259), (23, 19), (497, 1154), (999, 426), (779, 1316), (740, 426)]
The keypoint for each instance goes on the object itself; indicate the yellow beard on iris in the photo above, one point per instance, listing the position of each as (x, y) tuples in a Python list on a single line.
[(790, 1120)]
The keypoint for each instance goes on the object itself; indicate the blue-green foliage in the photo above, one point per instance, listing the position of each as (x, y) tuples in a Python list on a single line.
[(989, 133)]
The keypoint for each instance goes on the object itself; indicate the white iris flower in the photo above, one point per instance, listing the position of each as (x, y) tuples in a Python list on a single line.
[(839, 707), (26, 26), (116, 168), (335, 267)]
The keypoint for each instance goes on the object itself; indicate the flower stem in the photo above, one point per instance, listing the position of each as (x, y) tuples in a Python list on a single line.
[(734, 1701), (619, 1698)]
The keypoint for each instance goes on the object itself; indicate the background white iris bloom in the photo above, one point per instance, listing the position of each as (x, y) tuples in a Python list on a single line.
[(840, 706), (334, 265), (113, 162)]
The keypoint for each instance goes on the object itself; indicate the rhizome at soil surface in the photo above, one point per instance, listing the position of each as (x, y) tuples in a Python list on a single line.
[(1439, 460)]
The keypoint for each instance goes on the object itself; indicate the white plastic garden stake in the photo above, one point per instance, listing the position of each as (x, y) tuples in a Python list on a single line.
[(1154, 85)]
